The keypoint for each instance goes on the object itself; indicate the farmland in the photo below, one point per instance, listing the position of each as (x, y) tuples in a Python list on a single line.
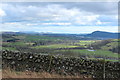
[(56, 46), (66, 54), (62, 44)]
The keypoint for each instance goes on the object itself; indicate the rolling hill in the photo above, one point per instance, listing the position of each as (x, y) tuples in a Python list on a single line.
[(102, 34)]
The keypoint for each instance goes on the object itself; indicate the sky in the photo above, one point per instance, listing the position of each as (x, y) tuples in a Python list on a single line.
[(59, 17)]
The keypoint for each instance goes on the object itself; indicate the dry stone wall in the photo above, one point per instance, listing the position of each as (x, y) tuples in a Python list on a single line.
[(63, 66)]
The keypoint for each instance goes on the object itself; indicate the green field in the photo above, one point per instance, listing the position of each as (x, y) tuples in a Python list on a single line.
[(15, 43), (55, 46), (40, 37), (110, 46), (86, 42), (62, 45), (85, 52), (9, 48)]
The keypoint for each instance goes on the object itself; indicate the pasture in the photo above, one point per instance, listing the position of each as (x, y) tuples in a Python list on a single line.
[(54, 46), (61, 45), (86, 42), (87, 53)]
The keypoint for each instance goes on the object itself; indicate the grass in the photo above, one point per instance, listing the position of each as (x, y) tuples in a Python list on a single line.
[(19, 37), (87, 52), (8, 73), (8, 48), (86, 42), (55, 46), (110, 45), (115, 39), (105, 59), (28, 41), (41, 37), (15, 43)]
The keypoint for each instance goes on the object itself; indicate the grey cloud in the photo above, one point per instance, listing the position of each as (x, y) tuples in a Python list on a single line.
[(78, 13), (104, 8)]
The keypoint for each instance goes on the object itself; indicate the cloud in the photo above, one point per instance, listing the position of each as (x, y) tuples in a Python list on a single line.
[(50, 12), (39, 16), (2, 13), (101, 8), (54, 29), (60, 24), (29, 24)]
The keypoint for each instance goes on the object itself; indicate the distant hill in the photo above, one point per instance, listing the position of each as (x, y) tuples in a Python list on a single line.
[(21, 32), (102, 34), (92, 36)]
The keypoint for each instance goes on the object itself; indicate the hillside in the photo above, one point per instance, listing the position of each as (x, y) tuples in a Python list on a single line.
[(92, 36), (102, 34)]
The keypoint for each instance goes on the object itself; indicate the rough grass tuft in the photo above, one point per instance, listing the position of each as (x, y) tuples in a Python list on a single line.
[(7, 73)]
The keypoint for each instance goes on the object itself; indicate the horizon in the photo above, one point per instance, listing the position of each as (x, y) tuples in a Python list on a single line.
[(53, 32), (59, 17)]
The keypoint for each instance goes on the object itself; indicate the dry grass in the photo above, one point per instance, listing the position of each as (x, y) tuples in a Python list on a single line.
[(0, 74), (7, 73)]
